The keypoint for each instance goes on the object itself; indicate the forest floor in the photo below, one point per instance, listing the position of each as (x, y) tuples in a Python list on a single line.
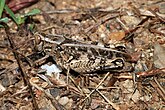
[(36, 74)]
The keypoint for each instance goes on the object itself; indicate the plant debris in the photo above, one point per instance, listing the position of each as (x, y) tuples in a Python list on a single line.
[(83, 55)]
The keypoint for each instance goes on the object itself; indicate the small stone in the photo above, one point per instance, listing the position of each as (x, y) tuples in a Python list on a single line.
[(162, 8), (136, 96), (2, 88), (63, 100), (145, 98), (128, 84), (131, 20), (69, 104)]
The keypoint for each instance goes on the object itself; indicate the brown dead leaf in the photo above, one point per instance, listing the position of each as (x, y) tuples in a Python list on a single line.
[(16, 5), (117, 35)]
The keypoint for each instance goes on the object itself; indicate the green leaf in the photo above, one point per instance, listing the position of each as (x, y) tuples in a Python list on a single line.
[(5, 20), (31, 27), (10, 12), (33, 12), (1, 26), (20, 19), (2, 4)]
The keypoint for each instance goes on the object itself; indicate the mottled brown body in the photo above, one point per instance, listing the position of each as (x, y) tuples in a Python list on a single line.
[(87, 58)]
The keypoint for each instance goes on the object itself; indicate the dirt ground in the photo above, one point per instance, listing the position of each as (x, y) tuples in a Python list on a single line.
[(28, 57)]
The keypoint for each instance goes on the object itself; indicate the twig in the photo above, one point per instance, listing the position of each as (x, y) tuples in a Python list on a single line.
[(160, 87), (104, 88), (124, 77), (23, 74), (67, 11), (150, 72), (157, 16), (148, 13), (159, 91), (48, 95), (20, 91), (99, 23), (62, 11), (106, 99), (78, 87), (122, 24), (96, 87)]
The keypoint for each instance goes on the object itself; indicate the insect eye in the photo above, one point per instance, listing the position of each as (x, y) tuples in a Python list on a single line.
[(118, 61)]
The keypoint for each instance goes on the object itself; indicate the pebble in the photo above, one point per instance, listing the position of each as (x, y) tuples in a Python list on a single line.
[(63, 100), (136, 96)]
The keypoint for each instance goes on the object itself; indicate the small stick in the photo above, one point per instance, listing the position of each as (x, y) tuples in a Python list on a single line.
[(23, 74), (106, 99), (96, 86)]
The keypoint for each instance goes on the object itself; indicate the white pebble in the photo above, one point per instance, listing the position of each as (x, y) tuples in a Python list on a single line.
[(63, 100)]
